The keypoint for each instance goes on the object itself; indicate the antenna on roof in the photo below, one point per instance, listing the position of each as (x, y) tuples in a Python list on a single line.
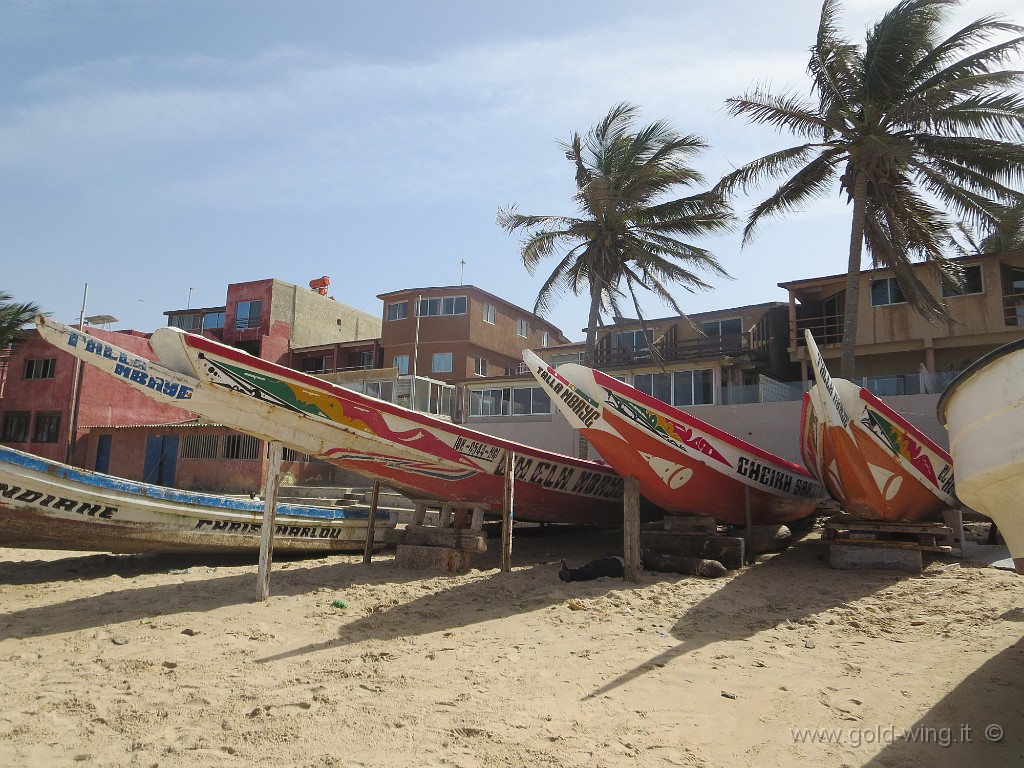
[(462, 276)]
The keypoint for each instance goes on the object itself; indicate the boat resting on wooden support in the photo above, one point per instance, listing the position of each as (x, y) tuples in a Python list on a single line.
[(48, 505), (683, 464), (874, 462), (983, 411), (417, 454)]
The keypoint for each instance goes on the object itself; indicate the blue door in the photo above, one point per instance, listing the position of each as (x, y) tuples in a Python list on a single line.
[(103, 453), (161, 459)]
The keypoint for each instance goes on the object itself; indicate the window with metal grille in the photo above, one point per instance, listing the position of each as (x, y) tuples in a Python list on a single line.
[(245, 447), (199, 446), (47, 427), (40, 369), (15, 427), (290, 454)]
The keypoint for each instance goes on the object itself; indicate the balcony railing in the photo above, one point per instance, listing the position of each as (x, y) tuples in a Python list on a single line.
[(686, 349), (825, 330)]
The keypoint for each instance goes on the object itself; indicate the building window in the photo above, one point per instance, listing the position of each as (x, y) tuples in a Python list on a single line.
[(731, 327), (442, 362), (248, 315), (446, 305), (244, 447), (509, 401), (522, 328), (366, 360), (568, 357), (545, 337), (637, 341), (398, 310), (886, 291), (290, 454), (15, 427), (47, 427), (199, 446), (480, 367), (679, 388), (213, 320), (402, 364), (972, 283), (489, 314), (40, 369), (186, 322)]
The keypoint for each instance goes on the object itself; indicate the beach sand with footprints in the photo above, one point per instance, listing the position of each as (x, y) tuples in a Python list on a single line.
[(171, 661)]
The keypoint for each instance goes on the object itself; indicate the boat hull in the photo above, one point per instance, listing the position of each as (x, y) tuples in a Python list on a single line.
[(867, 467), (874, 462), (983, 410), (48, 505), (683, 465), (422, 456)]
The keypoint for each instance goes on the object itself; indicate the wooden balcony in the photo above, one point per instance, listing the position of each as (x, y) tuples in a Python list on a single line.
[(675, 351)]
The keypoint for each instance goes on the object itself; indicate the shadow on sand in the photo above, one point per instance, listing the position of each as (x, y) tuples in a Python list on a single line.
[(979, 723), (787, 587), (203, 590)]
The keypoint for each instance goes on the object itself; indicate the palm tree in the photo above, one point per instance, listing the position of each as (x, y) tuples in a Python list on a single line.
[(14, 317), (913, 125), (626, 231)]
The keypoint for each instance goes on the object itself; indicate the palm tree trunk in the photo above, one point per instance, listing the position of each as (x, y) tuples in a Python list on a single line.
[(589, 354), (852, 305)]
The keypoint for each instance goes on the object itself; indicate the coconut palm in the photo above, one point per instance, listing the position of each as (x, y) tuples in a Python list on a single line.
[(14, 317), (629, 227), (918, 129)]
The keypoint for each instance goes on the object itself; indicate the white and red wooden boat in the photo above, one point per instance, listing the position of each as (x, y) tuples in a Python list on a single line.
[(684, 465), (48, 505), (415, 453), (874, 462), (983, 410)]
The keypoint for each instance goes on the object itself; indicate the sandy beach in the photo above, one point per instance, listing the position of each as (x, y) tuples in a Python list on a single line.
[(171, 661)]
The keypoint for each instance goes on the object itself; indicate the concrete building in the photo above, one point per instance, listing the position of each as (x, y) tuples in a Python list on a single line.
[(898, 351), (459, 332)]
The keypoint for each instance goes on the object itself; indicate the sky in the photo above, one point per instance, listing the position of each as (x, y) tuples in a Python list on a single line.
[(158, 150)]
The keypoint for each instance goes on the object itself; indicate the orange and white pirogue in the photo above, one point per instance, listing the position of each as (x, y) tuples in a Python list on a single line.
[(683, 464), (874, 462)]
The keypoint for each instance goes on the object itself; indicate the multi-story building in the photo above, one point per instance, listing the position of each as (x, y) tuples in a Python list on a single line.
[(460, 332), (898, 351), (272, 320)]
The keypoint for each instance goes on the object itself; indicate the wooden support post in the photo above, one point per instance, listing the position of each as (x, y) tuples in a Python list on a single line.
[(507, 513), (631, 530), (275, 450), (749, 536), (368, 548)]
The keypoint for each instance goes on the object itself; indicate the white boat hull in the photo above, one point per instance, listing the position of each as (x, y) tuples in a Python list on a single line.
[(48, 505), (983, 410)]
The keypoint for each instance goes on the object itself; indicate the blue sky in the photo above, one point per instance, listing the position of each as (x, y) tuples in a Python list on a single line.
[(150, 147)]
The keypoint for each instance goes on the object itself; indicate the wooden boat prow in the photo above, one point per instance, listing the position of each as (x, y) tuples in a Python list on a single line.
[(983, 411), (684, 465), (874, 462)]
